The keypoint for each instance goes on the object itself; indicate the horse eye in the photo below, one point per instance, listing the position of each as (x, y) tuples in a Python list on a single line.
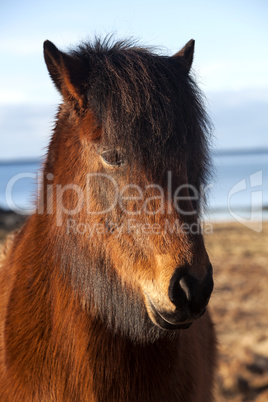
[(113, 157)]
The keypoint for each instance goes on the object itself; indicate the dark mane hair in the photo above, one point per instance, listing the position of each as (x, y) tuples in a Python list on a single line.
[(147, 104)]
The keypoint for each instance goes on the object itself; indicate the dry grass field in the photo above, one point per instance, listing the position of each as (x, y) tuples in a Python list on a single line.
[(239, 308)]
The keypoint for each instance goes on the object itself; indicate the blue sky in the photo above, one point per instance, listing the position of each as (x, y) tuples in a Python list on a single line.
[(231, 60)]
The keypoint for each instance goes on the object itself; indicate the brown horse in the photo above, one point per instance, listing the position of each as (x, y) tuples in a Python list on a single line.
[(104, 290)]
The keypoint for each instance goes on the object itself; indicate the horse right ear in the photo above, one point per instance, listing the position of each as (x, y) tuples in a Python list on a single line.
[(186, 54), (66, 71)]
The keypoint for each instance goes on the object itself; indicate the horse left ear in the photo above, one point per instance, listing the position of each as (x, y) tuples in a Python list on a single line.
[(187, 54), (66, 71)]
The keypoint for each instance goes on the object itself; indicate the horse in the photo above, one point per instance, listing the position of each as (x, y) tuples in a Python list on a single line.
[(104, 290)]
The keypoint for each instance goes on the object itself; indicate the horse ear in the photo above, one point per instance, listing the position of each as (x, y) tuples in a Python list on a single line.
[(187, 54), (66, 71)]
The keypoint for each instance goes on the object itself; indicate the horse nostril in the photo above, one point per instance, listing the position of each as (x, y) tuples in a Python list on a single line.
[(186, 289), (182, 288), (190, 286), (178, 292)]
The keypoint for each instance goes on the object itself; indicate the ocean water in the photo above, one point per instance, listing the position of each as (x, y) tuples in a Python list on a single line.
[(18, 185), (238, 188)]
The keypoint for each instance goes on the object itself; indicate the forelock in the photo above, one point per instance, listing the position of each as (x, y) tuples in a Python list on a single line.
[(145, 102)]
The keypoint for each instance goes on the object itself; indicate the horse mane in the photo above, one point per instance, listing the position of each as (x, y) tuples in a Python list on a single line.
[(148, 105)]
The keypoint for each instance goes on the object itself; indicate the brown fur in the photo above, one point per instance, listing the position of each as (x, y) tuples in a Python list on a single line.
[(75, 322)]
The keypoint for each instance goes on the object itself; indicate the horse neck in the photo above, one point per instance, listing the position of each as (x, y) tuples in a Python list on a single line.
[(48, 323), (118, 366)]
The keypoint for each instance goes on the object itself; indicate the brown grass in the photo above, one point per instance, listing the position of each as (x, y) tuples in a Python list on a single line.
[(240, 310)]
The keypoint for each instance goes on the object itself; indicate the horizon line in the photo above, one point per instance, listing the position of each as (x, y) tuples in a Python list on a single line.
[(214, 152)]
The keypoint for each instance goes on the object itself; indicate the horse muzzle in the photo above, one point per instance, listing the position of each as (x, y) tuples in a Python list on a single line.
[(190, 297)]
